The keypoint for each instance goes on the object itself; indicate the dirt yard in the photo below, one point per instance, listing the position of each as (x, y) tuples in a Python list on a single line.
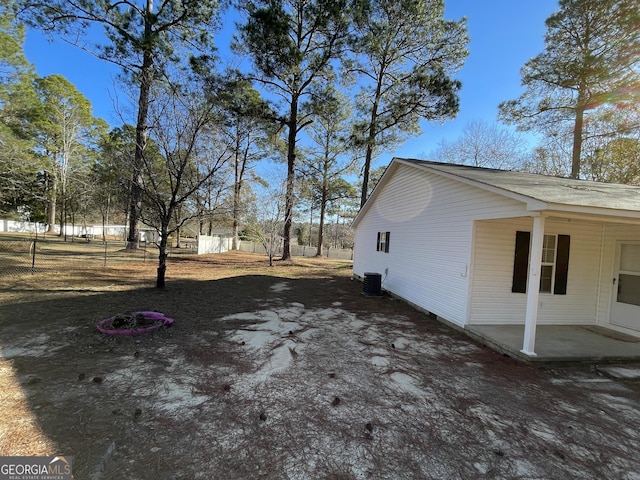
[(287, 373)]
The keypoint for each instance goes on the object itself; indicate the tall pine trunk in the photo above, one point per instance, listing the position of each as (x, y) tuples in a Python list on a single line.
[(576, 150), (237, 185), (323, 207), (52, 180), (146, 79), (291, 160), (371, 137)]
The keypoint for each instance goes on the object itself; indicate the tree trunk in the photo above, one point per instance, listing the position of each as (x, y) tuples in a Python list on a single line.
[(105, 219), (73, 222), (323, 206), (162, 259), (63, 214), (234, 240), (576, 151), (365, 176), (236, 211), (237, 185), (291, 160), (162, 269), (146, 79), (373, 124), (310, 223), (51, 214)]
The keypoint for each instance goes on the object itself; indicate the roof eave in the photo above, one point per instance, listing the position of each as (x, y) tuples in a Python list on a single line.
[(600, 214), (532, 203)]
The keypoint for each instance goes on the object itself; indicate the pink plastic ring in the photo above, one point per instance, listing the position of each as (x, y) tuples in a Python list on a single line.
[(159, 320)]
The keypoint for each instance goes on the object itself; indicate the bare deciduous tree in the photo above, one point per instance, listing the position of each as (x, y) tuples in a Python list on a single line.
[(183, 123), (484, 145), (269, 219)]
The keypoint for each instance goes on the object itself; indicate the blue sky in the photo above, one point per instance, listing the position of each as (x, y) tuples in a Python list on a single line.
[(504, 35)]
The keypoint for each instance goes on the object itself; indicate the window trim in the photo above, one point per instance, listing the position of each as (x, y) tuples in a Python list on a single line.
[(560, 263), (382, 244)]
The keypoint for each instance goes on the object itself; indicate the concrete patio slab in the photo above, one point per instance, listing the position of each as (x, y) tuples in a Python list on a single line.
[(561, 343)]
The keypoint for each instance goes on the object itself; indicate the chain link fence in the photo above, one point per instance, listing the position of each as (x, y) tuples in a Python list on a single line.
[(299, 250), (40, 255), (22, 256)]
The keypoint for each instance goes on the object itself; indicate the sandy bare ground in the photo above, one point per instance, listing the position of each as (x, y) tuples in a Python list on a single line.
[(287, 373)]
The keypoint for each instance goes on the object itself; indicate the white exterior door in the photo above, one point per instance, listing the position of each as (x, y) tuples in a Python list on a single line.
[(625, 307)]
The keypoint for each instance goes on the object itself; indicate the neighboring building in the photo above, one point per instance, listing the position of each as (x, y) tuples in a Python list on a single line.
[(465, 243)]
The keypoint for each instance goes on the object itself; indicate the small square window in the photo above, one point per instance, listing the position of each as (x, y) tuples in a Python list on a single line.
[(383, 242)]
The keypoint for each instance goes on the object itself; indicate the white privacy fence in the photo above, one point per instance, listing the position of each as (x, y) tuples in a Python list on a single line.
[(95, 231), (21, 226), (214, 244)]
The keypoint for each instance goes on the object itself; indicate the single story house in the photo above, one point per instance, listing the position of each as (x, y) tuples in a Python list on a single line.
[(468, 243)]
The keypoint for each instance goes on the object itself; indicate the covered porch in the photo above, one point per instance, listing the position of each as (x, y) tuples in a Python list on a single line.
[(561, 343), (599, 296)]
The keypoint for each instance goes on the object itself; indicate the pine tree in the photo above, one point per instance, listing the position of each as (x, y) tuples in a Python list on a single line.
[(405, 55), (291, 43), (591, 55)]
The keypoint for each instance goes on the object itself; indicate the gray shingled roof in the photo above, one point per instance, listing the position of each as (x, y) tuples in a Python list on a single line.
[(548, 189)]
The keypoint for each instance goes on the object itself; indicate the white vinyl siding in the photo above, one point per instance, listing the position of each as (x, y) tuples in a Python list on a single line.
[(492, 301), (430, 219)]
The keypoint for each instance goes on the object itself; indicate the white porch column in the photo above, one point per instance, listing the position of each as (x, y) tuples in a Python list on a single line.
[(533, 287)]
